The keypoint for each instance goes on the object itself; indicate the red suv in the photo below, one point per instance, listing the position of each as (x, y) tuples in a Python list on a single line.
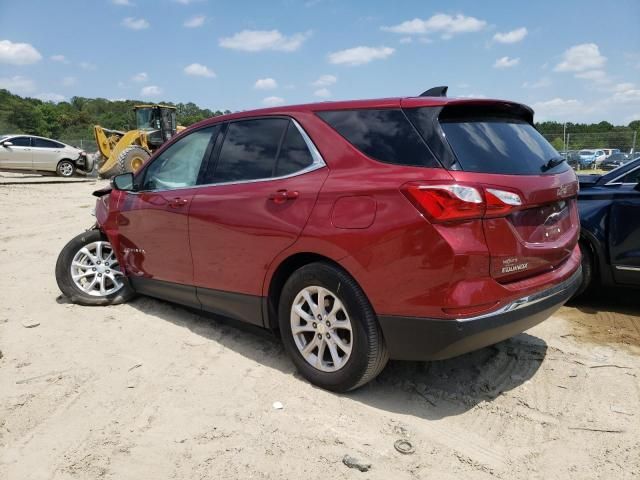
[(410, 228)]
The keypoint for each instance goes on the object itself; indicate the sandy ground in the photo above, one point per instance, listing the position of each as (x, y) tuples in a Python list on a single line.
[(152, 390)]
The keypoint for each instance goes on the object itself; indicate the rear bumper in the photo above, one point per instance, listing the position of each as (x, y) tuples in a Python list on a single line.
[(411, 338)]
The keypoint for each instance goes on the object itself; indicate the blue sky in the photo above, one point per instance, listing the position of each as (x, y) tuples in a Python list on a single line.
[(570, 60)]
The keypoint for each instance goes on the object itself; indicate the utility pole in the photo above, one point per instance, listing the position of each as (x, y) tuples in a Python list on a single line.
[(633, 146)]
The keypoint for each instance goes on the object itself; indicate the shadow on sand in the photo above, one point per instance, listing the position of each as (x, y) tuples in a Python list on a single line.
[(427, 389), (615, 300)]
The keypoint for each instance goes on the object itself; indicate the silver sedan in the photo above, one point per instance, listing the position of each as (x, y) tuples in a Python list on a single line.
[(31, 153)]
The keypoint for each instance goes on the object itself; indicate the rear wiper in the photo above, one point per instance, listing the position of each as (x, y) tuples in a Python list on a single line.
[(553, 162)]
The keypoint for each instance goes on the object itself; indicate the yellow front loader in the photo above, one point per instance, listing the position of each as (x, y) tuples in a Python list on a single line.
[(122, 152)]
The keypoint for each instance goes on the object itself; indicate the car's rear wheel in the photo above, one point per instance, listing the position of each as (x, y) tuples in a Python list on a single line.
[(329, 329), (66, 168), (88, 273), (588, 267)]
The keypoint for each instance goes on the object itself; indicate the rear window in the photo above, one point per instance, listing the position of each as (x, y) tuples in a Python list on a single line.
[(384, 135), (488, 141)]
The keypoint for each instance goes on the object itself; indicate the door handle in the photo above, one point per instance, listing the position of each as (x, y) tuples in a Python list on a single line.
[(178, 202), (282, 196)]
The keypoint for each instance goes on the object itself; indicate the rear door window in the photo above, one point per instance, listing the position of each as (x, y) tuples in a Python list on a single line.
[(42, 143), (385, 135), (249, 150)]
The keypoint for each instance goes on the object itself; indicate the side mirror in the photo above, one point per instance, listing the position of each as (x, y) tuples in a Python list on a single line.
[(7, 144), (124, 182)]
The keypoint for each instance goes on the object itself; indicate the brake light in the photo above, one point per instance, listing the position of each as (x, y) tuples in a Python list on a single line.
[(456, 202)]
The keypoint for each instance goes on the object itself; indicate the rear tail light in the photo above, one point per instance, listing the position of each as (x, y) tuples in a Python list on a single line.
[(501, 202), (456, 202)]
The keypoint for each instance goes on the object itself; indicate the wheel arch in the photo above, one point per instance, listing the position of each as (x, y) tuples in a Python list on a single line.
[(280, 275), (601, 272), (63, 159)]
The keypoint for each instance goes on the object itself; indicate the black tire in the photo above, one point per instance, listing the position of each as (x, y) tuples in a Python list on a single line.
[(131, 158), (369, 354), (112, 172), (66, 168), (588, 269), (69, 287)]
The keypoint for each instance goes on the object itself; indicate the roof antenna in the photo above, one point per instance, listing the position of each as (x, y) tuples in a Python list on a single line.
[(435, 92)]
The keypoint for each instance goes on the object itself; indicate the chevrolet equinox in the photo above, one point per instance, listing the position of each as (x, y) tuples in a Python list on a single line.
[(407, 228)]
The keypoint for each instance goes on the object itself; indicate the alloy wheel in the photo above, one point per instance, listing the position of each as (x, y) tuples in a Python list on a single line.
[(95, 269), (321, 328), (66, 169)]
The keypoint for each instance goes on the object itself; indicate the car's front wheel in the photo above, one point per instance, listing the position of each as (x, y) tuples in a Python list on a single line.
[(66, 168), (88, 273), (329, 329)]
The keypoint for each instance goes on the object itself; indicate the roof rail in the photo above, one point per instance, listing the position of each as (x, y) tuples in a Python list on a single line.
[(435, 92)]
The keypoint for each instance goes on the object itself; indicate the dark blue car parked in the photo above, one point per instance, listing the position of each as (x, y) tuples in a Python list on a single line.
[(610, 219)]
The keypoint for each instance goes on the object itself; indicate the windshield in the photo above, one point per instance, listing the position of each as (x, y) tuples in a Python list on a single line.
[(501, 145), (586, 152), (146, 119)]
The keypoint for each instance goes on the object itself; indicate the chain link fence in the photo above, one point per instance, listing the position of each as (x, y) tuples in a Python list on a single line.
[(626, 142), (87, 144)]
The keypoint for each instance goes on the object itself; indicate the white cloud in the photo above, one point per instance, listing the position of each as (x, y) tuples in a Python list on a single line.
[(514, 36), (325, 81), (622, 87), (446, 25), (135, 23), (506, 62), (18, 53), (259, 40), (265, 84), (51, 97), (18, 84), (405, 40), (88, 66), (322, 93), (198, 70), (195, 22), (151, 91), (69, 81), (140, 77), (559, 108), (580, 58), (596, 76), (626, 93), (185, 2), (59, 58), (360, 55), (123, 3), (273, 101), (542, 83)]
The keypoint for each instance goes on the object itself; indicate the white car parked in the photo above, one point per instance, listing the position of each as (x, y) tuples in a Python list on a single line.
[(28, 152)]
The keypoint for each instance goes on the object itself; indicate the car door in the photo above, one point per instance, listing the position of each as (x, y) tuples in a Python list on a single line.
[(45, 154), (624, 228), (18, 155), (264, 184), (152, 221)]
